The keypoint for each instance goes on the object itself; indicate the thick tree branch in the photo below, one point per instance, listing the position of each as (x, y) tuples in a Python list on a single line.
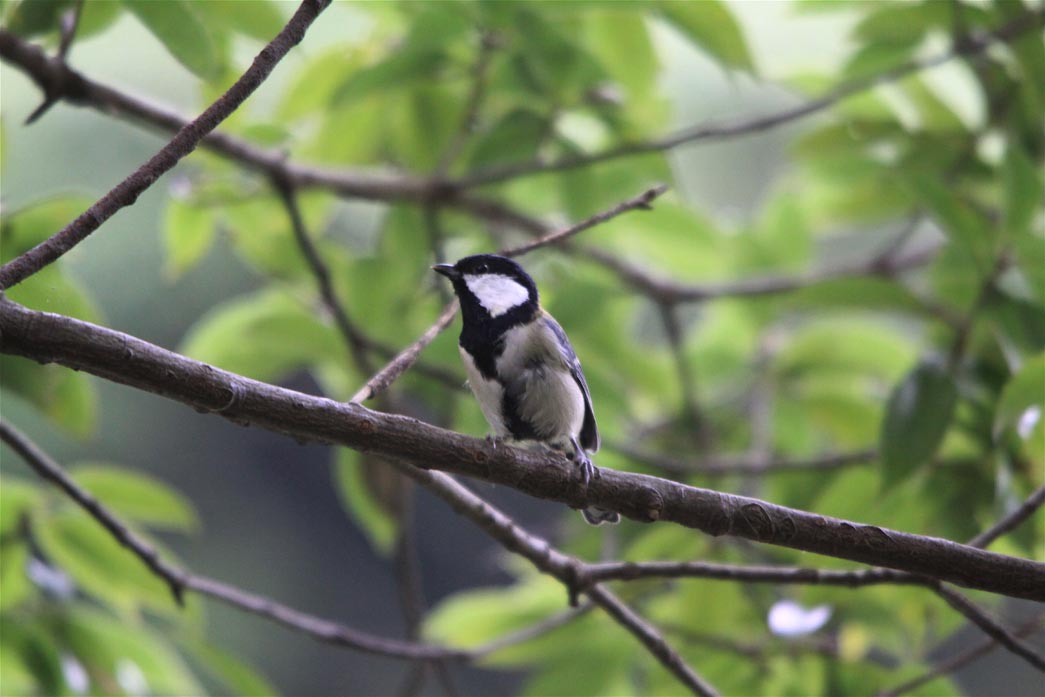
[(125, 359), (185, 141), (967, 45)]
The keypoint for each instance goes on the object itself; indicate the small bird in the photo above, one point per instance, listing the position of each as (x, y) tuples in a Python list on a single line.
[(521, 366)]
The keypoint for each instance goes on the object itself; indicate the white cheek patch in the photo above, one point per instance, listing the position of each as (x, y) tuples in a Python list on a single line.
[(497, 293)]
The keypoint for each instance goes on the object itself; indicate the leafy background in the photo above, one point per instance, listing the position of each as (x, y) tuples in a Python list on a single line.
[(205, 263)]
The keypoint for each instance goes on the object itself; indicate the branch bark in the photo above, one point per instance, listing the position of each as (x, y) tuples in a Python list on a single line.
[(185, 141), (125, 359), (964, 46)]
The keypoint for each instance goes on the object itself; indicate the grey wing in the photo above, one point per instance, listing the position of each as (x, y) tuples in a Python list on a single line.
[(589, 438)]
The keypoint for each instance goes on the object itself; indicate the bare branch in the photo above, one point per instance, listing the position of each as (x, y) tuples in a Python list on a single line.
[(990, 626), (125, 359), (185, 141), (716, 131), (402, 362), (52, 472), (961, 660), (405, 358), (1011, 521), (488, 42), (180, 579), (569, 570), (354, 338), (743, 463), (643, 201)]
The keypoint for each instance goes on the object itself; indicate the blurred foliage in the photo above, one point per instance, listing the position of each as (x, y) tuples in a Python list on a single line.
[(943, 369)]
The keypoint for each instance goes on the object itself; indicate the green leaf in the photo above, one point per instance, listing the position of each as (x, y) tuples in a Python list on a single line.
[(16, 497), (404, 68), (899, 23), (468, 620), (109, 647), (711, 26), (14, 583), (1021, 408), (362, 500), (188, 234), (31, 18), (234, 675), (963, 226), (177, 25), (99, 564), (877, 58), (65, 397), (514, 137), (263, 335), (137, 496), (1024, 191), (258, 19), (917, 415)]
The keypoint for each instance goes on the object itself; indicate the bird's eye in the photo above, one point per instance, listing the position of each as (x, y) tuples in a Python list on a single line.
[(483, 268)]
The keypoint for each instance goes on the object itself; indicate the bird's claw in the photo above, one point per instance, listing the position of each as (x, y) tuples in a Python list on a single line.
[(587, 469), (494, 441)]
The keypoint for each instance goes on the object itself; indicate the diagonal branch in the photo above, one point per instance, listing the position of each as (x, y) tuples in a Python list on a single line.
[(181, 580), (185, 141), (402, 362), (967, 45), (128, 360), (353, 336), (960, 660), (1011, 521), (569, 570)]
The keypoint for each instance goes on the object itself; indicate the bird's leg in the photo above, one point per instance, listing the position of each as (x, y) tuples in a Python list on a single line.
[(588, 470)]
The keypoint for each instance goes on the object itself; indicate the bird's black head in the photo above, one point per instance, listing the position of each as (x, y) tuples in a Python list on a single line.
[(491, 287)]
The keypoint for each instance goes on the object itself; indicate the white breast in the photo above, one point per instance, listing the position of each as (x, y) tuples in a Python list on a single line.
[(496, 293), (488, 393)]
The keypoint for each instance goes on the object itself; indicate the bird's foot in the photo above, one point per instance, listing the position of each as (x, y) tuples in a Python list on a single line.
[(581, 459), (495, 441)]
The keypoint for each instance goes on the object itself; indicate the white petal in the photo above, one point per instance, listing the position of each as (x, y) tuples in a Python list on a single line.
[(75, 674), (1028, 420), (788, 618)]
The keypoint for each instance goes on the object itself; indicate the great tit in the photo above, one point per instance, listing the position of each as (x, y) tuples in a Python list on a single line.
[(520, 365)]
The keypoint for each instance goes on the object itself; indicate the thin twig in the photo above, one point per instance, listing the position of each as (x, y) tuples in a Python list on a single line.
[(50, 470), (180, 579), (405, 358), (743, 463), (354, 338), (185, 141), (687, 381), (1011, 521), (470, 116), (990, 626), (631, 571), (715, 131), (960, 660), (569, 570), (391, 372), (643, 201)]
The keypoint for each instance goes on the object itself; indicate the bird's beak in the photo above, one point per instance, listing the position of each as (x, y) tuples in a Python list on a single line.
[(447, 270)]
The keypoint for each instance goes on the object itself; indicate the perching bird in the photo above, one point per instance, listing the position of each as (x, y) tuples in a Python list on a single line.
[(521, 366)]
